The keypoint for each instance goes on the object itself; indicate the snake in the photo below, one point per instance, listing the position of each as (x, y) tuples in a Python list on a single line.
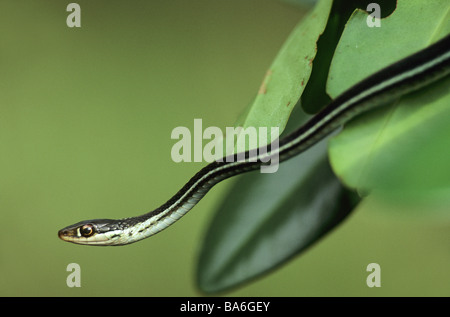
[(404, 76)]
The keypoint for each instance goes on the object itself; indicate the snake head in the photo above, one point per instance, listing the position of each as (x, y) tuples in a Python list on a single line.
[(92, 232)]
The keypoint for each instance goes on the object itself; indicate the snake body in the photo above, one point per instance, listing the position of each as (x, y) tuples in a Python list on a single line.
[(407, 75)]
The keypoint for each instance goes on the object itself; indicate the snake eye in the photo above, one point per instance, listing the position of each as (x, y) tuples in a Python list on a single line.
[(87, 230)]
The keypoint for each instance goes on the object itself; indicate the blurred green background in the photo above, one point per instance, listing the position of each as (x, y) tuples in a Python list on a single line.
[(85, 121)]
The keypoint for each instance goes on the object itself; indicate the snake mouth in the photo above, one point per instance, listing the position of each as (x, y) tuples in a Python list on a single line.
[(71, 235)]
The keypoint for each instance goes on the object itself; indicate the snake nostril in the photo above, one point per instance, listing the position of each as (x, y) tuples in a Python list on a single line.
[(62, 233)]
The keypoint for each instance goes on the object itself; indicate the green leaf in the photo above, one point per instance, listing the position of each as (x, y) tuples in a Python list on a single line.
[(363, 50), (282, 85), (315, 97), (267, 219), (403, 147), (286, 78)]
